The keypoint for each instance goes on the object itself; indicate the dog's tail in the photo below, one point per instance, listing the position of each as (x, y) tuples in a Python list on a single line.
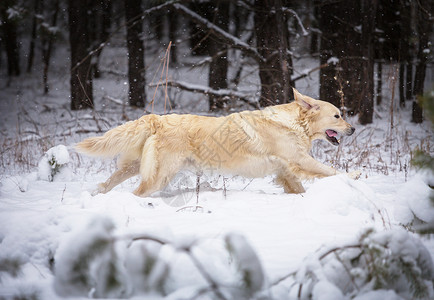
[(127, 138)]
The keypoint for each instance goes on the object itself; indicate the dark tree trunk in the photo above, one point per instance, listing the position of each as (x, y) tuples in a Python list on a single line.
[(366, 109), (401, 84), (36, 12), (341, 48), (173, 27), (379, 82), (409, 80), (407, 25), (10, 38), (136, 51), (424, 29), (349, 83), (218, 69), (199, 41), (100, 30), (405, 55), (47, 47), (272, 43), (81, 75)]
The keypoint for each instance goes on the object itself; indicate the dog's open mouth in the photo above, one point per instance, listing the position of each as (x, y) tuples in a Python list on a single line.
[(331, 137)]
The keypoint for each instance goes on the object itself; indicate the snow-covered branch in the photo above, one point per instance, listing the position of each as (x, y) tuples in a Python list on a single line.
[(307, 73), (300, 23), (209, 91), (225, 36)]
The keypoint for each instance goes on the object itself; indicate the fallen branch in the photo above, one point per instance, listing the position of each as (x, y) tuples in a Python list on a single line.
[(209, 91)]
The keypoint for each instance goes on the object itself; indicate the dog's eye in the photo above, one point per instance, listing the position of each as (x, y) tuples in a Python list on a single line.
[(337, 116)]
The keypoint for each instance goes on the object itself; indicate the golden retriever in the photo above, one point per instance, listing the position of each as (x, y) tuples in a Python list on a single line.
[(272, 141)]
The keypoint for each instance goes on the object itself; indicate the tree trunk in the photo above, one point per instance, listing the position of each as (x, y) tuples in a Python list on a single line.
[(81, 75), (136, 52), (340, 47), (100, 30), (366, 110), (199, 43), (401, 84), (47, 47), (173, 27), (424, 31), (379, 82), (408, 28), (10, 38), (272, 43), (218, 68), (349, 83), (37, 6)]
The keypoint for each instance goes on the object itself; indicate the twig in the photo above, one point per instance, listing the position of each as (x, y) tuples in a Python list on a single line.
[(63, 194), (214, 285), (339, 248), (114, 100), (187, 250), (165, 61)]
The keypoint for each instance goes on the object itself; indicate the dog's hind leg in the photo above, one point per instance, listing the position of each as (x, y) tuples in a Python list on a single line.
[(157, 168), (290, 183), (162, 177), (125, 171)]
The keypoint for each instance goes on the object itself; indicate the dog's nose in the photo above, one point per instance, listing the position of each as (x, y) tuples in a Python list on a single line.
[(352, 130)]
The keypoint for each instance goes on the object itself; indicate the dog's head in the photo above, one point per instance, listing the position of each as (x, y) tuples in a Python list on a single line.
[(324, 119)]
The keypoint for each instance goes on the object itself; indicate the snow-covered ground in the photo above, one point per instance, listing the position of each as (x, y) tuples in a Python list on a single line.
[(285, 243)]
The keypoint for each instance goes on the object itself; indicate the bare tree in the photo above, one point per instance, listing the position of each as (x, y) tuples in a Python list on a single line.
[(9, 34), (218, 67), (48, 43), (99, 30), (81, 75), (136, 52), (424, 27), (366, 108), (272, 44), (348, 48), (36, 12), (340, 82)]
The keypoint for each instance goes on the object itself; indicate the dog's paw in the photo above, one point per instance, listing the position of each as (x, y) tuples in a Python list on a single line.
[(98, 190), (95, 192), (354, 174)]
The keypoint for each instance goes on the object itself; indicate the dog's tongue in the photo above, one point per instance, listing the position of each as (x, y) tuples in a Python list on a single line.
[(331, 133)]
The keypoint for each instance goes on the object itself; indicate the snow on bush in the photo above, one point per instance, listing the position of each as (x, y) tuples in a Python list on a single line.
[(94, 262), (392, 263), (248, 264), (87, 263), (147, 272), (53, 165)]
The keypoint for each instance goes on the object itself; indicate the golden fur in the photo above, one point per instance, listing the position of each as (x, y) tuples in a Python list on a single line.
[(275, 140)]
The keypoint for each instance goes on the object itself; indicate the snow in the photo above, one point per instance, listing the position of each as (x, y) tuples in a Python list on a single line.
[(333, 60), (53, 165), (46, 225), (282, 229)]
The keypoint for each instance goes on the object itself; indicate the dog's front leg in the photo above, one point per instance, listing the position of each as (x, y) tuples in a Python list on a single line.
[(308, 168)]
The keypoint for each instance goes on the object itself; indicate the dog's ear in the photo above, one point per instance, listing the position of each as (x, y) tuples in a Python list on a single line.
[(305, 102)]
